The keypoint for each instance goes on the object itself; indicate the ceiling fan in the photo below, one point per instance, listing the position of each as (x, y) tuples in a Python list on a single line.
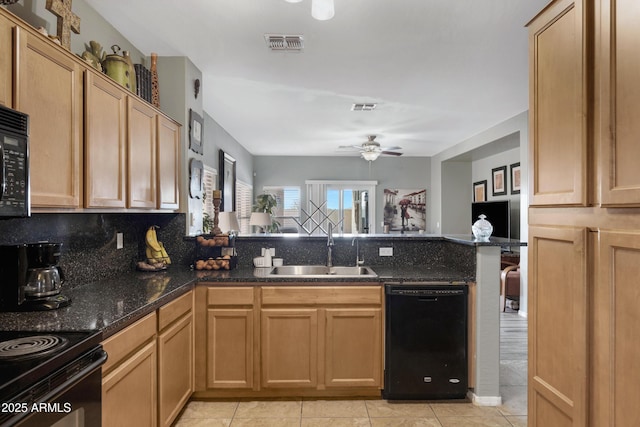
[(371, 149)]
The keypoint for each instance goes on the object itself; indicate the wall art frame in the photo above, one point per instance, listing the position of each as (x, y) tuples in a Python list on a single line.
[(196, 132), (515, 178), (480, 191), (499, 181)]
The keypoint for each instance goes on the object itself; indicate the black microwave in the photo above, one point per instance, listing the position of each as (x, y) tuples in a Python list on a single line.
[(15, 198)]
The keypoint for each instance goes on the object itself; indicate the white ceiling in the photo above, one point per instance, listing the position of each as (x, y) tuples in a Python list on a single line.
[(440, 71)]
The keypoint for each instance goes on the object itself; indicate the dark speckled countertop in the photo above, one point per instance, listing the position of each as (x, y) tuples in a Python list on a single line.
[(109, 305)]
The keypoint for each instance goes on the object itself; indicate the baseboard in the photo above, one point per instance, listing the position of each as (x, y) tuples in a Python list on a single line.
[(484, 400)]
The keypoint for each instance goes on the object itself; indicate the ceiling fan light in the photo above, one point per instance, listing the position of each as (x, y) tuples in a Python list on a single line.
[(322, 10), (370, 155)]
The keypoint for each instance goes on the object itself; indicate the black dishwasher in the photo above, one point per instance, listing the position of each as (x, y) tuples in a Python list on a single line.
[(426, 341)]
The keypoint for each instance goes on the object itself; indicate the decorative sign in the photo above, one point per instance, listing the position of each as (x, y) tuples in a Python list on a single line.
[(67, 20)]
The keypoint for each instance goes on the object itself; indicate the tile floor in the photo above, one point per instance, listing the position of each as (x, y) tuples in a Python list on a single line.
[(310, 412)]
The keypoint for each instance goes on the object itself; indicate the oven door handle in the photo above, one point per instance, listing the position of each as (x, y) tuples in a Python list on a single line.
[(3, 178), (96, 364)]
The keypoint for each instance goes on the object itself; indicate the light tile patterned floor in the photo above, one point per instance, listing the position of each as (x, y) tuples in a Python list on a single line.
[(381, 413)]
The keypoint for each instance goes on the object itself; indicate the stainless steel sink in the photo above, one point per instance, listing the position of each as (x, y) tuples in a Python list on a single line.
[(321, 271)]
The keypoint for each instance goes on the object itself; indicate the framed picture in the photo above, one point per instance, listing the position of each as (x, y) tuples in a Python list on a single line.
[(227, 182), (196, 127), (515, 178), (498, 178), (480, 191), (195, 179)]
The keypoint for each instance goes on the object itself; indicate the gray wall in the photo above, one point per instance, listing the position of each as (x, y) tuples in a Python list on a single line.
[(219, 139), (92, 26), (407, 172)]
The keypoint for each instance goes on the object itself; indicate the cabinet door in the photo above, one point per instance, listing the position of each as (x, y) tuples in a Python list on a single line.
[(141, 159), (49, 89), (168, 163), (230, 348), (175, 369), (558, 327), (558, 106), (353, 347), (616, 323), (6, 62), (129, 391), (619, 106), (105, 143), (289, 348)]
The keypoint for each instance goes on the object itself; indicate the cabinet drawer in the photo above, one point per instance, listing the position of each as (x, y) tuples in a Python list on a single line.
[(230, 296), (317, 295), (128, 340), (174, 310)]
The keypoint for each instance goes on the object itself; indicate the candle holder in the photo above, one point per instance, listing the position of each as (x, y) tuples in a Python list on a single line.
[(216, 210)]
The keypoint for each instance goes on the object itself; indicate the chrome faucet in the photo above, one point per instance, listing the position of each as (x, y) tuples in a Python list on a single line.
[(357, 243), (329, 245)]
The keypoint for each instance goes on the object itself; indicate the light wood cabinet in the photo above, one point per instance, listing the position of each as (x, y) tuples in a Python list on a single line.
[(616, 321), (558, 362), (226, 341), (168, 168), (321, 337), (353, 344), (289, 342), (92, 143), (558, 117), (292, 340), (49, 89), (6, 62), (617, 124), (583, 259), (129, 382), (105, 143), (141, 155), (175, 357)]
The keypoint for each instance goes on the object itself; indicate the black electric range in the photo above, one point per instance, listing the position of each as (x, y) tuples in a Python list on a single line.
[(36, 366)]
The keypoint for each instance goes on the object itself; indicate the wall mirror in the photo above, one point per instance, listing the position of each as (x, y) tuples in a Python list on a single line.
[(227, 181)]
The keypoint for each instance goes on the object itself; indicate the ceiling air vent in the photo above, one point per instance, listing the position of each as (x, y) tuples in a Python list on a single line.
[(280, 42), (363, 107)]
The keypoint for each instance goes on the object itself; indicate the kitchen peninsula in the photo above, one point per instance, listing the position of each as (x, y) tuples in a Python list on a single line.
[(112, 304)]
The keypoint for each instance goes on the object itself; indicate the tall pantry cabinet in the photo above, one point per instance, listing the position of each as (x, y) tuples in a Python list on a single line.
[(584, 217)]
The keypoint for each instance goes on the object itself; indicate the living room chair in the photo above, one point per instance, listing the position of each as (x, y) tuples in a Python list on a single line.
[(509, 283)]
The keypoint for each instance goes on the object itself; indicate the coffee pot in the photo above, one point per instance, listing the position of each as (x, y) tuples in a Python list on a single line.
[(44, 276)]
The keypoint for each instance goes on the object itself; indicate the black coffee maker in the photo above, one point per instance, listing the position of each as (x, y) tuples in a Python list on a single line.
[(30, 277)]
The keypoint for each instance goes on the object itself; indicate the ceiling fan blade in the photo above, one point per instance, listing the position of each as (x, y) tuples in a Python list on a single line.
[(391, 148), (351, 147), (392, 153)]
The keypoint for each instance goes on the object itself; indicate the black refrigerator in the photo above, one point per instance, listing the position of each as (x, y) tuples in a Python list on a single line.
[(425, 341)]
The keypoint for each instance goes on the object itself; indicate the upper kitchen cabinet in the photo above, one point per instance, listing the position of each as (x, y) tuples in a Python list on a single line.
[(558, 105), (141, 155), (168, 154), (6, 62), (617, 112), (105, 143), (49, 89)]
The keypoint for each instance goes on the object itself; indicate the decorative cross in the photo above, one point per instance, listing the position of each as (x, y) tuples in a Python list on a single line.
[(67, 20)]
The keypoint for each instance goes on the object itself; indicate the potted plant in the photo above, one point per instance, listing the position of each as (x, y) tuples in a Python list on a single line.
[(267, 203)]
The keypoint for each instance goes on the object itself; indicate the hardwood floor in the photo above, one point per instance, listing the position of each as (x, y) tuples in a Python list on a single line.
[(378, 412)]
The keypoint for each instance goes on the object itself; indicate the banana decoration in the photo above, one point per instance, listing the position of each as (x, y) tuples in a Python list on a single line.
[(155, 251)]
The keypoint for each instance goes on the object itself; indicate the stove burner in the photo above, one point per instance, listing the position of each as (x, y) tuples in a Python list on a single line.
[(28, 347)]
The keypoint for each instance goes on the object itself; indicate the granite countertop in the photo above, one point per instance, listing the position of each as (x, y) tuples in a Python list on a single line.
[(110, 305)]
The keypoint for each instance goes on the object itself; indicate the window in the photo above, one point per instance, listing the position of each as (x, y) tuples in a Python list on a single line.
[(350, 205), (209, 179), (288, 207), (244, 202)]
